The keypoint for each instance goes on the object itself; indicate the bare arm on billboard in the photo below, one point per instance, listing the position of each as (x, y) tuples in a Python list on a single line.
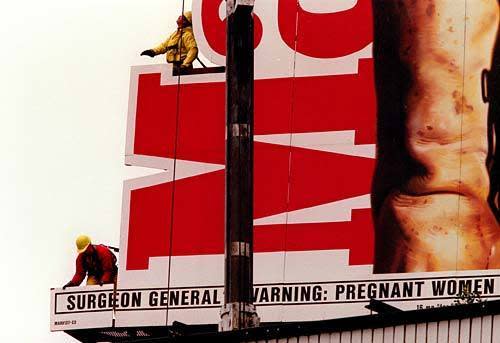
[(431, 183)]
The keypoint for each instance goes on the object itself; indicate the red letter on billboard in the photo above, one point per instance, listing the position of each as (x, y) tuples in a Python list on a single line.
[(326, 35), (215, 28)]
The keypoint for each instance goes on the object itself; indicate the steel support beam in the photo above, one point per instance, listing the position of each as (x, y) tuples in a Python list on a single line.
[(238, 311)]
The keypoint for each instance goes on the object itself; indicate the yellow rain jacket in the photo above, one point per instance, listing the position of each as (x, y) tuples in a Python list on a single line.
[(177, 51)]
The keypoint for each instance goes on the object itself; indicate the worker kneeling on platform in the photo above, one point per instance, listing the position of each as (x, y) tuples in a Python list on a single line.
[(180, 48), (97, 262)]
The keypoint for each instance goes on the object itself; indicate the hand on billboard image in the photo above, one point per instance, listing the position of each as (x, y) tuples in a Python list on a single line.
[(435, 188)]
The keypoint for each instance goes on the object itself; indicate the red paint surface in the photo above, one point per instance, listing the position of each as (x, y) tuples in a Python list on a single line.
[(198, 222), (325, 35), (356, 235), (201, 112), (198, 225)]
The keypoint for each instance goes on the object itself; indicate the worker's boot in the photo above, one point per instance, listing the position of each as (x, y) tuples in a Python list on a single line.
[(431, 187)]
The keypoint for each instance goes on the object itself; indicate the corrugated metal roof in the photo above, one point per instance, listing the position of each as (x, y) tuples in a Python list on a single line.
[(480, 321)]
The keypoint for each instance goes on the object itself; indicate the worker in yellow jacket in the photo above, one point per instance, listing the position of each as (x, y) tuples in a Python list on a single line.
[(180, 48)]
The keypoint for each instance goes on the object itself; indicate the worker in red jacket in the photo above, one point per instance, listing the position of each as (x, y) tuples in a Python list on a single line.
[(97, 262)]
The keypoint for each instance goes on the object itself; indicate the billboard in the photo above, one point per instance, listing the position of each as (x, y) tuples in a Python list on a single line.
[(375, 170)]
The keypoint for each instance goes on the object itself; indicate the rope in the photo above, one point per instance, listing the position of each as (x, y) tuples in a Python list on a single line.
[(172, 205), (290, 125)]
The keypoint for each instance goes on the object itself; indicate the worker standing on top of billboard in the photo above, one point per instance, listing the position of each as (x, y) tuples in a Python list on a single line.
[(97, 262), (180, 48)]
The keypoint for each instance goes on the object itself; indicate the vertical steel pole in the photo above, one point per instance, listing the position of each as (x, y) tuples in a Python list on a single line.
[(238, 311)]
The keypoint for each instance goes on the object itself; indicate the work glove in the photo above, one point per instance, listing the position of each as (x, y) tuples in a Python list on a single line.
[(148, 52)]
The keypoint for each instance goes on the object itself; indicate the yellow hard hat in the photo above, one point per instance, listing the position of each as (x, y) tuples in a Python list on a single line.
[(82, 242), (189, 16)]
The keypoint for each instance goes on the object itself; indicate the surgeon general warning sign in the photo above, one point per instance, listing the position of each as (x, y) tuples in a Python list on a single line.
[(409, 293), (375, 162), (266, 295)]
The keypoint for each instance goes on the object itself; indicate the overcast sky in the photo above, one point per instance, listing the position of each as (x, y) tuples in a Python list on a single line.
[(64, 77)]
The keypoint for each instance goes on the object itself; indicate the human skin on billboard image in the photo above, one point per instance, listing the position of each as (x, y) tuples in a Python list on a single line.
[(432, 180)]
